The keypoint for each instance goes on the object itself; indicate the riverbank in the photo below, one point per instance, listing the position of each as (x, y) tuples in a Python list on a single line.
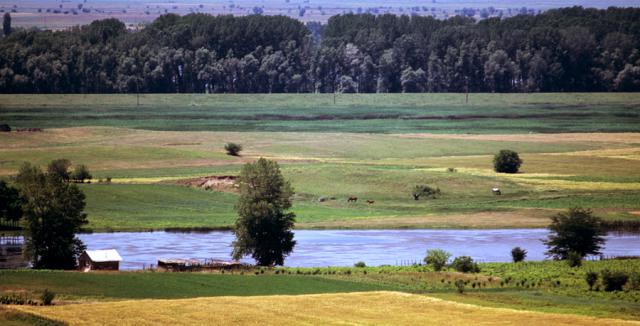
[(550, 286)]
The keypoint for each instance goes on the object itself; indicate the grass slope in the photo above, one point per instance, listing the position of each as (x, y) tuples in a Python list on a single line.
[(560, 171), (139, 285)]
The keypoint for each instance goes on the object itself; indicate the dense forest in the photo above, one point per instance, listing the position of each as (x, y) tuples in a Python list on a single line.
[(571, 49)]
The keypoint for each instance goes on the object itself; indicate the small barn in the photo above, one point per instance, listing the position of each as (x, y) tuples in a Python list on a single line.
[(99, 260)]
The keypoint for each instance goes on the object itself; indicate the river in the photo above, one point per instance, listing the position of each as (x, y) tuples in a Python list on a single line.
[(317, 248)]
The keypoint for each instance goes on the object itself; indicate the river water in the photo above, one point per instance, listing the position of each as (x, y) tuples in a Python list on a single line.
[(316, 248)]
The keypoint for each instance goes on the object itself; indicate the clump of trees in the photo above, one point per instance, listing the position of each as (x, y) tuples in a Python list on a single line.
[(53, 214), (437, 258), (425, 191), (518, 254), (506, 161), (263, 229), (233, 149), (569, 49), (465, 264), (575, 233)]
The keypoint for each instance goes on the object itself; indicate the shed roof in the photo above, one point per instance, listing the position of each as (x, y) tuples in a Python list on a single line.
[(100, 256)]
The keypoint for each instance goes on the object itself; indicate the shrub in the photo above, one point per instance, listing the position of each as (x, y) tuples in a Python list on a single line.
[(574, 259), (518, 254), (233, 149), (507, 161), (460, 286), (465, 264), (614, 281), (360, 264), (47, 297), (81, 173), (437, 258), (5, 127), (452, 170), (634, 282), (425, 191), (591, 278)]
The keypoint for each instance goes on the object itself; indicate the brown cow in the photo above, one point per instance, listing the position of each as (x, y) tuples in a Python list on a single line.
[(370, 202), (352, 199)]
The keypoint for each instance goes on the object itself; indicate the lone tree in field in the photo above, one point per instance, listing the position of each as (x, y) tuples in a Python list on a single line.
[(507, 161), (263, 228), (233, 149), (53, 213), (575, 232)]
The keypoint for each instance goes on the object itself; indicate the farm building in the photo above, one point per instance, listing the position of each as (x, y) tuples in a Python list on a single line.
[(103, 260)]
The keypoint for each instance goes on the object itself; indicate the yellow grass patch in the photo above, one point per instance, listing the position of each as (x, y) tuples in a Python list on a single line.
[(367, 308), (623, 153), (545, 181), (620, 138)]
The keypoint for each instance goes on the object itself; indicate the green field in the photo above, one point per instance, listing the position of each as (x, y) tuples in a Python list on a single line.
[(361, 113), (375, 147)]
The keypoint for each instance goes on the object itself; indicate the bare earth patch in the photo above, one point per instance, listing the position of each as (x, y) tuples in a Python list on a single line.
[(214, 182), (364, 308)]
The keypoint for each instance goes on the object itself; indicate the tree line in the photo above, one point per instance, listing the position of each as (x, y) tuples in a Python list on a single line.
[(562, 50)]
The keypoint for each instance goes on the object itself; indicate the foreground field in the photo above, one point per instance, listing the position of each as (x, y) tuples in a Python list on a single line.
[(328, 309), (548, 287)]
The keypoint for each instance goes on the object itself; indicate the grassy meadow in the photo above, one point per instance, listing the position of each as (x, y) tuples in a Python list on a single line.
[(375, 147)]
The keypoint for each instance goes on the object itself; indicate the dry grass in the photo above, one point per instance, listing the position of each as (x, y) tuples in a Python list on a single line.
[(522, 218), (621, 138), (379, 308)]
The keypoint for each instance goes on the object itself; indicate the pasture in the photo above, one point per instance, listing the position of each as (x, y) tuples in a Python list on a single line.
[(374, 147)]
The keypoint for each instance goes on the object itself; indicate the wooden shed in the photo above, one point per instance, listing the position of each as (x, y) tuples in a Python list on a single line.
[(102, 260)]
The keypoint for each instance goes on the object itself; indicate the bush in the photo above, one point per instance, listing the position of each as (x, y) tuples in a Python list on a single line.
[(465, 264), (426, 191), (360, 264), (574, 259), (81, 173), (460, 286), (233, 149), (591, 278), (507, 161), (47, 297), (437, 258), (634, 282), (518, 254), (614, 281), (5, 127)]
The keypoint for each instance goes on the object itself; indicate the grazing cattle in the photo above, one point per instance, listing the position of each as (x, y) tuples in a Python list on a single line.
[(496, 191), (370, 202), (352, 199)]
